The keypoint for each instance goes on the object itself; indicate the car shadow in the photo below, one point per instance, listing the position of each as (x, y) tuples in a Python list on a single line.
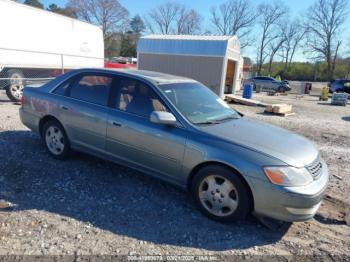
[(114, 198), (329, 221)]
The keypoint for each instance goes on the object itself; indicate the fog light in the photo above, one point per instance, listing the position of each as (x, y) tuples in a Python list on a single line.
[(304, 211)]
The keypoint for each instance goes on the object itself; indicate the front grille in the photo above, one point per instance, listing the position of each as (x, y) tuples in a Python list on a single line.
[(315, 168)]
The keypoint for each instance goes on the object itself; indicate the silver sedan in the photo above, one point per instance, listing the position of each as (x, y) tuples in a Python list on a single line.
[(178, 130)]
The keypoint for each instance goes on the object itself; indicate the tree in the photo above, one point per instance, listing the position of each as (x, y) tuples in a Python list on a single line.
[(247, 60), (270, 17), (109, 14), (128, 45), (54, 8), (324, 23), (173, 18), (275, 45), (234, 17), (293, 33), (63, 11), (137, 25), (35, 3), (161, 19), (188, 22), (348, 67)]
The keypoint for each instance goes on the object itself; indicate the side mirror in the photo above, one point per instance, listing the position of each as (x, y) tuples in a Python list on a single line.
[(165, 118)]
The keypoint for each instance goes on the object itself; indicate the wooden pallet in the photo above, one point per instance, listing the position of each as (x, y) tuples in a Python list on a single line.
[(279, 108), (280, 114)]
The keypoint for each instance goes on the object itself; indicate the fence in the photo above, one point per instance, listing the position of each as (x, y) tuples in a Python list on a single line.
[(23, 67)]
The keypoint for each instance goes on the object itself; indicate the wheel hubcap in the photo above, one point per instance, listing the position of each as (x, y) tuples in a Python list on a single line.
[(218, 195), (16, 86), (54, 140), (17, 91)]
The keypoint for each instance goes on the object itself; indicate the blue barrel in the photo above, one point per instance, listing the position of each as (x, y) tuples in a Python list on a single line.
[(248, 91)]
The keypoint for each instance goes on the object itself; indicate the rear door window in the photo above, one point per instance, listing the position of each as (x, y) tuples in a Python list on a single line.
[(92, 88)]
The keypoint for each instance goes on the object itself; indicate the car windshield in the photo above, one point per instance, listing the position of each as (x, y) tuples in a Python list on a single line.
[(198, 103)]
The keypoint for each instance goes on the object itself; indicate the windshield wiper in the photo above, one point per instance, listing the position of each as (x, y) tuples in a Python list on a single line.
[(207, 123), (217, 121), (226, 118)]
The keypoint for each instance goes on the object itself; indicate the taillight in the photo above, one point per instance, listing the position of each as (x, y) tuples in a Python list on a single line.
[(22, 100)]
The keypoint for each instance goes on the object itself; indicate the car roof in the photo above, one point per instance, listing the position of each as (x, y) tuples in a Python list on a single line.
[(155, 77)]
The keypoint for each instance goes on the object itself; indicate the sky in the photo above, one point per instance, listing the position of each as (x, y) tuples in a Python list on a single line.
[(141, 7)]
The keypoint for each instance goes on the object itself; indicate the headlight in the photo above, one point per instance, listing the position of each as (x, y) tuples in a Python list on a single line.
[(288, 176)]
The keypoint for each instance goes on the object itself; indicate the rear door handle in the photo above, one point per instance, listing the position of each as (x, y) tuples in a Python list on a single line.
[(64, 107)]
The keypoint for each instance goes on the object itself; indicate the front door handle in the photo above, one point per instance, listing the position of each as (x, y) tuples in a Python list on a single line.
[(64, 107), (117, 124)]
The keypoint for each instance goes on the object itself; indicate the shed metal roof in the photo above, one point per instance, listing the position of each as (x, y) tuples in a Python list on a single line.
[(200, 45)]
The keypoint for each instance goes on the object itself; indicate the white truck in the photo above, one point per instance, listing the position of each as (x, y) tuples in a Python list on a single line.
[(36, 44)]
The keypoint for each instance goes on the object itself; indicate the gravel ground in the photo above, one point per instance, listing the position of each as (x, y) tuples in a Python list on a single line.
[(85, 205)]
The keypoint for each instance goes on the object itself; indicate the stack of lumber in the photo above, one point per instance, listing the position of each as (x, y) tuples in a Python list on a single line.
[(279, 109), (243, 101)]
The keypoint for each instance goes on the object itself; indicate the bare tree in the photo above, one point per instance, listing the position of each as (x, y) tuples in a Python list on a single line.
[(162, 18), (109, 14), (324, 22), (293, 33), (188, 22), (270, 17), (275, 45), (348, 53), (173, 18), (234, 17)]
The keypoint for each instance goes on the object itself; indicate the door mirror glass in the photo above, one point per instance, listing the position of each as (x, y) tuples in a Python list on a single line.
[(165, 118)]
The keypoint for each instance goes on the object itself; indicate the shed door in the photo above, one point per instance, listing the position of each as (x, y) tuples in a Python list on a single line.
[(230, 73)]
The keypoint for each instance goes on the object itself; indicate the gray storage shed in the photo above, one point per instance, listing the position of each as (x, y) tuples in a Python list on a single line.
[(213, 60)]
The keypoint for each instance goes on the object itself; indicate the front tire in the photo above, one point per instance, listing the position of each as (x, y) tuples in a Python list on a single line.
[(14, 90), (220, 194), (281, 89), (55, 139)]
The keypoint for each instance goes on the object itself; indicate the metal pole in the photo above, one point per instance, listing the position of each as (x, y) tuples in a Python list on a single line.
[(62, 65)]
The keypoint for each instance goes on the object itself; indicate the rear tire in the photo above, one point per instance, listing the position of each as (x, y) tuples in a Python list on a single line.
[(55, 140), (14, 90), (220, 194)]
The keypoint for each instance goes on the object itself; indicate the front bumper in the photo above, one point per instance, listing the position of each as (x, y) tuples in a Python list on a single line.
[(290, 203)]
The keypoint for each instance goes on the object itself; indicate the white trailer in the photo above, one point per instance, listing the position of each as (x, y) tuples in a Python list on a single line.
[(38, 44)]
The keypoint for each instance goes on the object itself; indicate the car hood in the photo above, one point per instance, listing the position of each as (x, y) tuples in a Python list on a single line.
[(293, 149)]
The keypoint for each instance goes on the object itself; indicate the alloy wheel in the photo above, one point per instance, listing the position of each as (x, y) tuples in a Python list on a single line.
[(218, 195), (54, 140)]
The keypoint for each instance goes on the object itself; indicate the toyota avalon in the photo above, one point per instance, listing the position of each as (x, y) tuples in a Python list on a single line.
[(178, 130)]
